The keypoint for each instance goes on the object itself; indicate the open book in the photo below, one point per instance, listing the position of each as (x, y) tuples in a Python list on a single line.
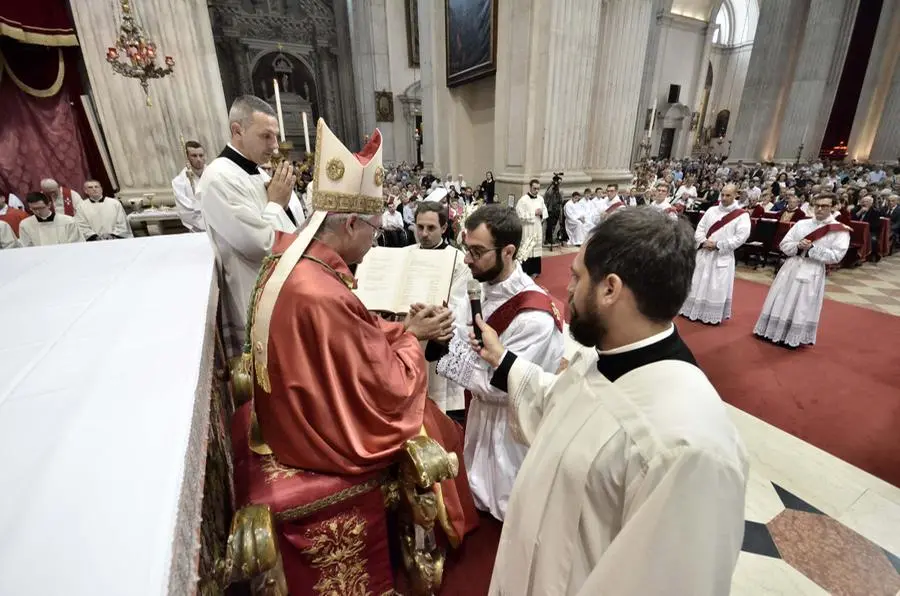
[(390, 279)]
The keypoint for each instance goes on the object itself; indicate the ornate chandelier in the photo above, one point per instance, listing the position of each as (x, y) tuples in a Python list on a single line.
[(139, 52)]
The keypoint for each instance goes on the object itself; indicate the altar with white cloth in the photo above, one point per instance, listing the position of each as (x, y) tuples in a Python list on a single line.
[(106, 368)]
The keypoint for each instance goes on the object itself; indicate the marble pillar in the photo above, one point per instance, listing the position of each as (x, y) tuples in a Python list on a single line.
[(362, 44), (544, 90), (826, 38), (766, 89), (143, 141), (617, 78), (343, 78), (876, 125), (648, 76)]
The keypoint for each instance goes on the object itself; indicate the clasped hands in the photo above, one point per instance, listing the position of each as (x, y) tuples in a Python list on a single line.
[(804, 244), (709, 245), (279, 187), (430, 323)]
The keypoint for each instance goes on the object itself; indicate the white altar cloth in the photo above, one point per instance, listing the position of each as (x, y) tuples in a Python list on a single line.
[(103, 369)]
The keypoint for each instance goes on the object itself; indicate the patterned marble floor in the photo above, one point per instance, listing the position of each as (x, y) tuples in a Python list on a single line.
[(873, 286)]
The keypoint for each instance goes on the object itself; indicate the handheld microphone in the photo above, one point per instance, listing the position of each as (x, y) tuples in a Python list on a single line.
[(474, 291)]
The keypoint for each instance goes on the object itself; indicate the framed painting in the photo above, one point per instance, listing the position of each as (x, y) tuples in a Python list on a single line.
[(384, 106), (471, 38), (412, 32)]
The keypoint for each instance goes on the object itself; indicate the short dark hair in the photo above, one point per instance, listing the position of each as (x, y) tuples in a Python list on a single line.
[(534, 181), (614, 185), (36, 197), (432, 207), (826, 195), (652, 254), (501, 221), (193, 145)]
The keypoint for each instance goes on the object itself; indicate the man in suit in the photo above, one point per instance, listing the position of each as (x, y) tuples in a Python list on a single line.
[(893, 213), (867, 212)]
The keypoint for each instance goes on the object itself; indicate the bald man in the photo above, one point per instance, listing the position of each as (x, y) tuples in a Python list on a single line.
[(721, 231), (62, 198)]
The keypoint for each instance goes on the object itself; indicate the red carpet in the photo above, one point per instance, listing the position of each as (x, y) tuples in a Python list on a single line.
[(841, 395)]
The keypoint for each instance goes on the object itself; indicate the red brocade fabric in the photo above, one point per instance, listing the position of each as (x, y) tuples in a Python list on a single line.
[(342, 547)]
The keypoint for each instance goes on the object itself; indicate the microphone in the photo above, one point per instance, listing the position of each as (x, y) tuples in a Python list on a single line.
[(474, 291)]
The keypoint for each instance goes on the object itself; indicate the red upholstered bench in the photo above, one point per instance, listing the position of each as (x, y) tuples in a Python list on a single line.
[(332, 530)]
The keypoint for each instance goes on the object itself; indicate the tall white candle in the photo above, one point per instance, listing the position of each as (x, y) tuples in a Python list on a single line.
[(652, 118), (278, 109), (805, 130), (305, 132)]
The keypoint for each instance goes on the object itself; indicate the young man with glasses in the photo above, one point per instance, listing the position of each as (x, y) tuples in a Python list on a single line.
[(526, 317), (790, 315)]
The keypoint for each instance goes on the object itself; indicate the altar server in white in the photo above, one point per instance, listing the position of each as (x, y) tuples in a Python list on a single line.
[(242, 211), (101, 218), (184, 186), (529, 323), (790, 314), (577, 212), (721, 231), (635, 477), (661, 200), (46, 227), (609, 204), (7, 236), (532, 211), (431, 226)]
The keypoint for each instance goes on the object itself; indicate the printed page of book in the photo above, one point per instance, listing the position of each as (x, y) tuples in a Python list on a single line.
[(429, 275), (380, 278)]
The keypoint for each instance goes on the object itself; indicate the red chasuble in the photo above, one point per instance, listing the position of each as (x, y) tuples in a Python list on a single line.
[(14, 217), (348, 388)]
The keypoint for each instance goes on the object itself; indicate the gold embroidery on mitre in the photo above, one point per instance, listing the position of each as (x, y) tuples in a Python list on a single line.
[(379, 176), (334, 169), (345, 202), (336, 549)]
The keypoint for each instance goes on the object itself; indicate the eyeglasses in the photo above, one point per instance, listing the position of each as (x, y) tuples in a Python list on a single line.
[(821, 206), (377, 232), (476, 252)]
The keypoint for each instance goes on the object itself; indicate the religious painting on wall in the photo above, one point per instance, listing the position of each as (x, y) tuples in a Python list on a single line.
[(412, 32), (384, 106), (471, 40)]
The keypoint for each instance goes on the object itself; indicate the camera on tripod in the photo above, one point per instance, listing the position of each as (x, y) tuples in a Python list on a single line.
[(557, 178)]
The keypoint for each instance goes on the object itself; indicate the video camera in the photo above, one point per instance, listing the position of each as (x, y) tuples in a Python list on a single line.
[(557, 178)]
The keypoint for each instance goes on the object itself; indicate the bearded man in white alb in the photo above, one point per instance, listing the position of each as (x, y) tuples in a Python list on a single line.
[(184, 186), (635, 478), (528, 321), (101, 218), (532, 211), (790, 314), (721, 231), (243, 209)]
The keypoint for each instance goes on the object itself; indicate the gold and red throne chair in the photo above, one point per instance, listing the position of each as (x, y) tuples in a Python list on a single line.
[(334, 533)]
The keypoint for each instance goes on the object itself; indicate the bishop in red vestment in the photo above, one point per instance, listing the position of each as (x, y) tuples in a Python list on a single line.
[(338, 389)]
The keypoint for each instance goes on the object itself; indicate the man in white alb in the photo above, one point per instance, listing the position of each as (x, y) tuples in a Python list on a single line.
[(7, 236), (46, 227), (431, 226), (609, 204), (576, 211), (790, 314), (184, 186), (661, 200), (635, 478), (101, 218), (62, 198), (242, 212), (532, 211), (721, 231), (526, 318)]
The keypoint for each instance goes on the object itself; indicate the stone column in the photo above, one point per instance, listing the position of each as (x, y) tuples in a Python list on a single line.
[(648, 76), (775, 52), (876, 127), (350, 130), (617, 89), (818, 71), (143, 141)]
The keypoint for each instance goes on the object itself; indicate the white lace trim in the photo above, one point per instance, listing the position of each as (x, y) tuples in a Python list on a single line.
[(786, 331), (459, 363), (706, 311)]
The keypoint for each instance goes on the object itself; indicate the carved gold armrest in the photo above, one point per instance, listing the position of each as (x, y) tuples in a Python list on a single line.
[(423, 465), (240, 381), (251, 555)]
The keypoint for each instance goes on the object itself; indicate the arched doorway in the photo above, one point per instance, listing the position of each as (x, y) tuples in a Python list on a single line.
[(298, 89)]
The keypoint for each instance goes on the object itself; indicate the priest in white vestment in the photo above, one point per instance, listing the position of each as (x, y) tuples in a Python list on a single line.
[(721, 231), (635, 478), (7, 236), (493, 455), (46, 227), (242, 209), (661, 202), (101, 218), (431, 225), (532, 211), (576, 210), (790, 314), (184, 186)]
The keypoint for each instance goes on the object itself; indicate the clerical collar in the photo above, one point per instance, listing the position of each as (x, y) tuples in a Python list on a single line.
[(437, 246), (100, 200), (249, 166), (48, 219), (666, 345)]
